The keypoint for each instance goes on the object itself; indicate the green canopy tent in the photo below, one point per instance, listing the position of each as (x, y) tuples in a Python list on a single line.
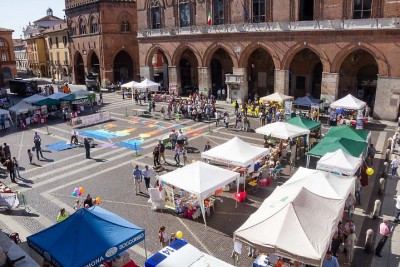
[(304, 123), (74, 97), (331, 144), (349, 133), (47, 102)]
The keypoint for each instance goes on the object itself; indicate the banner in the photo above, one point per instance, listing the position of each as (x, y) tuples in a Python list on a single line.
[(9, 200), (91, 119), (360, 119), (288, 110), (169, 197)]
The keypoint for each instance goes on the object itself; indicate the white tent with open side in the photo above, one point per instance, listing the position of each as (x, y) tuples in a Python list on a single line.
[(296, 225), (146, 84), (22, 107), (348, 102), (33, 99), (282, 130), (235, 152), (129, 85), (201, 179), (339, 162), (322, 183), (276, 97)]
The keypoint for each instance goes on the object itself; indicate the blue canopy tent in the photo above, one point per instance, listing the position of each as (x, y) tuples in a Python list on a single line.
[(86, 238), (306, 101)]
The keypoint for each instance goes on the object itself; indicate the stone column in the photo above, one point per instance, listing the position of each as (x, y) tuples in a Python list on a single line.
[(282, 81), (174, 80), (329, 87), (146, 72), (243, 86), (204, 80), (387, 98)]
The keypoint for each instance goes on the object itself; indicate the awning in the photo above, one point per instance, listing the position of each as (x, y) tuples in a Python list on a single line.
[(307, 101), (282, 130), (348, 102), (331, 144), (304, 123), (276, 97)]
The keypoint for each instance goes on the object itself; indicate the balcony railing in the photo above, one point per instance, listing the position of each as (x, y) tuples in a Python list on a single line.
[(234, 78), (322, 25)]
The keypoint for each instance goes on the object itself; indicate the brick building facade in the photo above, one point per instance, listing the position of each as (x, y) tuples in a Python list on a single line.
[(8, 68), (102, 36), (326, 49)]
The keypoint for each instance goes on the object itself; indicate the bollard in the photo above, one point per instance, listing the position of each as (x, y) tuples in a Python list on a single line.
[(385, 171), (377, 208), (381, 189), (369, 241)]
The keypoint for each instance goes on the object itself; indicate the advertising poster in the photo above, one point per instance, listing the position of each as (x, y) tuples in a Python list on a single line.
[(169, 197), (288, 109), (91, 119)]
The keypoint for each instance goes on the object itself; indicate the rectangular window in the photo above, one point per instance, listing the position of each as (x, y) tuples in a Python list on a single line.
[(66, 58), (306, 10), (51, 58), (50, 42), (65, 41), (218, 12), (156, 17), (57, 42), (362, 9), (258, 11), (184, 12), (58, 57)]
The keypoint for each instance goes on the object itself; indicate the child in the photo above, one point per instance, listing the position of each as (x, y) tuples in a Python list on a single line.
[(77, 205), (30, 155)]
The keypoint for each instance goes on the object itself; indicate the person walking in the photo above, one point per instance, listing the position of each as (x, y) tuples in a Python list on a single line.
[(172, 139), (217, 117), (147, 173), (184, 155), (350, 201), (357, 193), (62, 215), (236, 106), (163, 237), (384, 235), (30, 156), (226, 120), (177, 155), (137, 176), (38, 147), (16, 168), (337, 239), (161, 150), (86, 144), (351, 241), (371, 154), (395, 165), (156, 154), (10, 168), (6, 150), (207, 146)]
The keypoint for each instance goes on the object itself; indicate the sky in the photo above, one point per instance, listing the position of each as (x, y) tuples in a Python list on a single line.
[(16, 14)]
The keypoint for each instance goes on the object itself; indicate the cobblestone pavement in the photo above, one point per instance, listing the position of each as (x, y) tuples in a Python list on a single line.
[(48, 185)]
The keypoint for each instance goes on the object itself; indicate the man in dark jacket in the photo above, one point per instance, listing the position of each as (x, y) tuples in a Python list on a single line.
[(10, 168), (86, 143)]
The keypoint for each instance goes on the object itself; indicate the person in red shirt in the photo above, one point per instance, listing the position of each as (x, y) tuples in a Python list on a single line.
[(385, 232)]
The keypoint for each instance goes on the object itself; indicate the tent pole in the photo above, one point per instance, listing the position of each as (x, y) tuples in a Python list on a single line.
[(237, 190), (203, 212), (145, 246), (308, 161)]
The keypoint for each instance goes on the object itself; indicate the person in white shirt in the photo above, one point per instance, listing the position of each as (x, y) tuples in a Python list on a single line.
[(395, 165), (396, 219), (181, 137), (147, 174)]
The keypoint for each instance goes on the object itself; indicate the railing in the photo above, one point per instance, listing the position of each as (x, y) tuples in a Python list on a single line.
[(323, 25), (233, 78)]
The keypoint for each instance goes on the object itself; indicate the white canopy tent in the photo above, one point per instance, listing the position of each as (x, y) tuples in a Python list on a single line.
[(33, 99), (201, 179), (146, 84), (321, 183), (82, 92), (235, 152), (339, 162), (301, 225), (22, 107), (57, 96), (282, 130), (348, 102), (276, 97), (129, 85)]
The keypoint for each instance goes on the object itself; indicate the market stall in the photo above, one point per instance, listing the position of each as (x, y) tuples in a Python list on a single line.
[(282, 130), (88, 237), (276, 97), (146, 85), (321, 183), (339, 162), (25, 113), (350, 111), (198, 181), (295, 232), (307, 101), (77, 102), (33, 98), (130, 86), (180, 253), (349, 133), (313, 126), (332, 144)]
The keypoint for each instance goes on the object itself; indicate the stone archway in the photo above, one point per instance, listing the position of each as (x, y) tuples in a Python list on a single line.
[(260, 72), (79, 69), (158, 63), (305, 74), (188, 72), (94, 64), (358, 75), (123, 67), (220, 64)]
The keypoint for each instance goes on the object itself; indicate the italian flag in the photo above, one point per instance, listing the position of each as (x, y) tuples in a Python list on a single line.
[(209, 19)]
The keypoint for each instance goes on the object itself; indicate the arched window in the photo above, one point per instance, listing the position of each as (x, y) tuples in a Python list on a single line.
[(4, 57), (125, 26), (94, 26), (155, 14), (184, 13), (82, 26), (258, 11), (218, 9)]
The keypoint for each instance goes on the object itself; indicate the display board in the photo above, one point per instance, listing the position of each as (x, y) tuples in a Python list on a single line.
[(169, 197), (91, 119)]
